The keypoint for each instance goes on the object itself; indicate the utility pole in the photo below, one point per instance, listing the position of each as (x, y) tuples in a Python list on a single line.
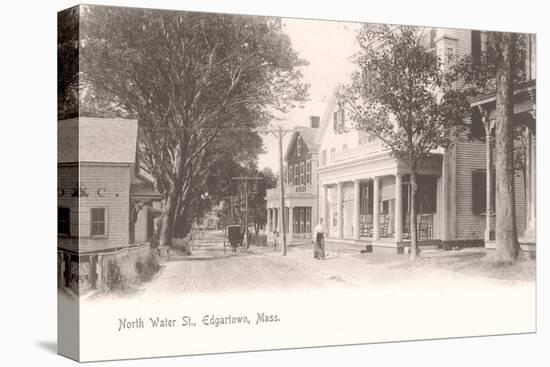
[(246, 179), (279, 133)]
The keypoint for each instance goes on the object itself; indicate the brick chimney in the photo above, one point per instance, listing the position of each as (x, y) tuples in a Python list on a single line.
[(314, 122)]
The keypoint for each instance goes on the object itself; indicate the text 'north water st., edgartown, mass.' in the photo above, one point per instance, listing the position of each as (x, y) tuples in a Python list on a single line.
[(208, 320)]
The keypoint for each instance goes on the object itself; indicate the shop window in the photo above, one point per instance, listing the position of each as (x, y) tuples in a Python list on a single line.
[(98, 224), (63, 222)]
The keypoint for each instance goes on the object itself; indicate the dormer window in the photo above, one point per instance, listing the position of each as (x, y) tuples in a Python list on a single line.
[(299, 146)]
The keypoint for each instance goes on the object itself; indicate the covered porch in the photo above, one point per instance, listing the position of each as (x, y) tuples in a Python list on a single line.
[(374, 212)]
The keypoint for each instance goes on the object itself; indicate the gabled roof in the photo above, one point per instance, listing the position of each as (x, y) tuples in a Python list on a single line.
[(326, 120), (100, 140), (309, 137)]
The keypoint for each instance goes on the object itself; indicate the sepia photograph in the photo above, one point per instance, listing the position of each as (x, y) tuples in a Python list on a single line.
[(348, 182)]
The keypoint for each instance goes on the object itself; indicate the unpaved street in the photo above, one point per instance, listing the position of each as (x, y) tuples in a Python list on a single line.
[(211, 270)]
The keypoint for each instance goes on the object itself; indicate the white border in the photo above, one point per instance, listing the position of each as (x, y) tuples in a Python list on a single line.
[(28, 183)]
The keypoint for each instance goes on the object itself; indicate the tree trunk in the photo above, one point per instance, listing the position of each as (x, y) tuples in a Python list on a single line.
[(412, 229), (167, 223), (507, 247)]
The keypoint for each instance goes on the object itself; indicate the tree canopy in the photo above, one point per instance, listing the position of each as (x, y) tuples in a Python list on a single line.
[(199, 84)]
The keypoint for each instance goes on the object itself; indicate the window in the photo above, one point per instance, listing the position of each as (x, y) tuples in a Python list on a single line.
[(98, 224), (299, 146), (324, 157), (63, 222), (342, 121), (428, 39), (302, 174), (477, 130), (339, 121), (290, 173), (308, 172), (449, 57), (479, 191), (332, 154), (296, 174), (476, 47)]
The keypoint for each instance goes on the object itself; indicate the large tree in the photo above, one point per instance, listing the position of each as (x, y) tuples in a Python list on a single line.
[(189, 78), (498, 67), (507, 248), (403, 96)]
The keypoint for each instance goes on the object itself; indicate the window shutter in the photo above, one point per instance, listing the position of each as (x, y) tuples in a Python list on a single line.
[(478, 192), (84, 221), (477, 130), (476, 46)]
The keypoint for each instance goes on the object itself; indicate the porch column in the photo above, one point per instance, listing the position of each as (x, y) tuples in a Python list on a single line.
[(269, 220), (290, 223), (339, 209), (488, 166), (279, 221), (398, 220), (376, 209), (356, 208), (530, 173), (324, 212)]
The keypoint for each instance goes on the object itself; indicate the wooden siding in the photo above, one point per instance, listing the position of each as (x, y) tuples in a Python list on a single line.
[(470, 156), (115, 179)]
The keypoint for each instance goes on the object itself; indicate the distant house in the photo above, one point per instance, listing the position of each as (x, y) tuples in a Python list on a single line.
[(104, 204), (301, 188)]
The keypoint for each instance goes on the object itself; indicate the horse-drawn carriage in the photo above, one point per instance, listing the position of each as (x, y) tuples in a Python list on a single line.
[(233, 237)]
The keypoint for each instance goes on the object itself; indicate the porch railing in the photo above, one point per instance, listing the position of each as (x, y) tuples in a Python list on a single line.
[(424, 226)]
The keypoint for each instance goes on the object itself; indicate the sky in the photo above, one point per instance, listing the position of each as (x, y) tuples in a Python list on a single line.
[(329, 47)]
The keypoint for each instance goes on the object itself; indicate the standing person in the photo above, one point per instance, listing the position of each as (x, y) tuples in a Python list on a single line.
[(319, 244)]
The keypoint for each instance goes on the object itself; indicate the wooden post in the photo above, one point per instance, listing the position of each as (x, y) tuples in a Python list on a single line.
[(398, 220), (339, 209), (356, 208), (376, 209), (488, 167)]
